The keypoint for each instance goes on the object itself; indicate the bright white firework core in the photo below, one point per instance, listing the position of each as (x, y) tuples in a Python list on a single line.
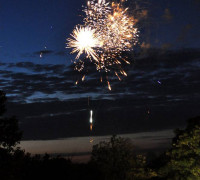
[(84, 41)]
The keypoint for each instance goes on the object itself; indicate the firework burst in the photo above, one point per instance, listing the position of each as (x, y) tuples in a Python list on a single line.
[(108, 31)]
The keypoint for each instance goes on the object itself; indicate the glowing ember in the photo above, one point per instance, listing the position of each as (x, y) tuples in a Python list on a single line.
[(109, 86)]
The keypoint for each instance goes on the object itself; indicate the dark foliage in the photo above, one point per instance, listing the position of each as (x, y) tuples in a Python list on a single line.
[(10, 135), (116, 160), (183, 159), (2, 103), (22, 166), (111, 160)]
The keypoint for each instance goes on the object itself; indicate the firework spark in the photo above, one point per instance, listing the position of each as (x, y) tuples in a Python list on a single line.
[(41, 54), (108, 31), (109, 86), (116, 29), (83, 78)]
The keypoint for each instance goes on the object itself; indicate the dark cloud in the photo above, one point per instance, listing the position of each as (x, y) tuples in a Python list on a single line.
[(2, 64), (145, 45), (44, 52), (37, 53), (167, 15), (146, 70), (61, 53), (167, 46), (184, 32), (161, 86)]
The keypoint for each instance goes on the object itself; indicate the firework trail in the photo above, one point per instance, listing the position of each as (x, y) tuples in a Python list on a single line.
[(91, 120), (108, 31)]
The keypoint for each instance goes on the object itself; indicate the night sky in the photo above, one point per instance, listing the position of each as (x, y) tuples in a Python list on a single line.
[(161, 92)]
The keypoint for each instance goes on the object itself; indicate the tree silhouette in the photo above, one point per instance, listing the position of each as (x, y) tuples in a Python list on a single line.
[(114, 157), (10, 135), (183, 159), (116, 160), (2, 103)]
